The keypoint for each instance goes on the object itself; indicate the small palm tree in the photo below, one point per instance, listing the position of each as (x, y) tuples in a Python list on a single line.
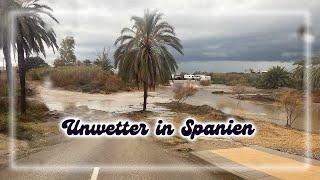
[(276, 77), (32, 34), (142, 51)]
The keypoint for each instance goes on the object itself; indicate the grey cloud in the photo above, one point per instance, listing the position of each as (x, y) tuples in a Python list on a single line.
[(97, 23)]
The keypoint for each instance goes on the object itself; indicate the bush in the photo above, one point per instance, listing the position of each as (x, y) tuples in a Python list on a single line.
[(86, 78), (26, 130), (35, 109), (35, 62), (39, 73), (276, 77), (183, 91), (291, 101), (238, 90), (205, 83)]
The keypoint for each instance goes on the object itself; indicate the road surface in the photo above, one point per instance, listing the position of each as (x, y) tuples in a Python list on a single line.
[(101, 153)]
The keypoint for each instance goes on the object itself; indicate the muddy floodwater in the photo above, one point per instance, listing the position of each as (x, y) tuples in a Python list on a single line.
[(132, 101), (250, 109)]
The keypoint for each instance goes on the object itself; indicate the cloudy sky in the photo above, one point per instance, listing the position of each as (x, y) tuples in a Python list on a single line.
[(210, 30)]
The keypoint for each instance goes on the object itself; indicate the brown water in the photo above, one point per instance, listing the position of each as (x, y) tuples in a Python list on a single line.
[(131, 101), (256, 110)]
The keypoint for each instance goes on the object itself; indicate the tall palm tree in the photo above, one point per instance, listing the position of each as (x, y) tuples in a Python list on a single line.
[(298, 72), (5, 7), (142, 52), (32, 34)]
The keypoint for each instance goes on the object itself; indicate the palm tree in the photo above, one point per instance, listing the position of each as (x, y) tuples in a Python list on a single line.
[(5, 7), (142, 51), (32, 34), (276, 77), (298, 72)]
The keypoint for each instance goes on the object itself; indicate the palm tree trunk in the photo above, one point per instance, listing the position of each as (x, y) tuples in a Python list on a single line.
[(145, 95), (22, 77), (7, 58)]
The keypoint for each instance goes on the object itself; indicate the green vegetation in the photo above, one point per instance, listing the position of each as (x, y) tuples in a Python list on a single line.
[(298, 73), (28, 129), (142, 54), (87, 62), (103, 61), (66, 50), (276, 77), (35, 62)]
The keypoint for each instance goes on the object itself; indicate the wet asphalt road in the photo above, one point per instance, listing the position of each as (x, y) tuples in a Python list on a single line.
[(101, 153)]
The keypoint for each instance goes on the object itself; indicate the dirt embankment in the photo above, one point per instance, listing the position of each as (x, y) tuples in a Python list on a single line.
[(268, 135)]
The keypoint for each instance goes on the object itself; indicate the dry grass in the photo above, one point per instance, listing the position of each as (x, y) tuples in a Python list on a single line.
[(39, 73), (182, 92), (281, 138), (268, 135), (205, 110), (205, 83), (86, 79), (138, 115)]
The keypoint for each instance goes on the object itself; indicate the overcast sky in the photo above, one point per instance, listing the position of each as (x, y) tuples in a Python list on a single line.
[(209, 29)]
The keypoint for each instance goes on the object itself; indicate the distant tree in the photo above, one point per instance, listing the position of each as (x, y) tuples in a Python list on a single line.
[(298, 73), (276, 77), (87, 62), (79, 63), (58, 62), (35, 62), (67, 48), (103, 61)]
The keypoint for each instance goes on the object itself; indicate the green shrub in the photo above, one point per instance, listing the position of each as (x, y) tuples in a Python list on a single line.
[(24, 131), (34, 63), (276, 77), (35, 109)]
